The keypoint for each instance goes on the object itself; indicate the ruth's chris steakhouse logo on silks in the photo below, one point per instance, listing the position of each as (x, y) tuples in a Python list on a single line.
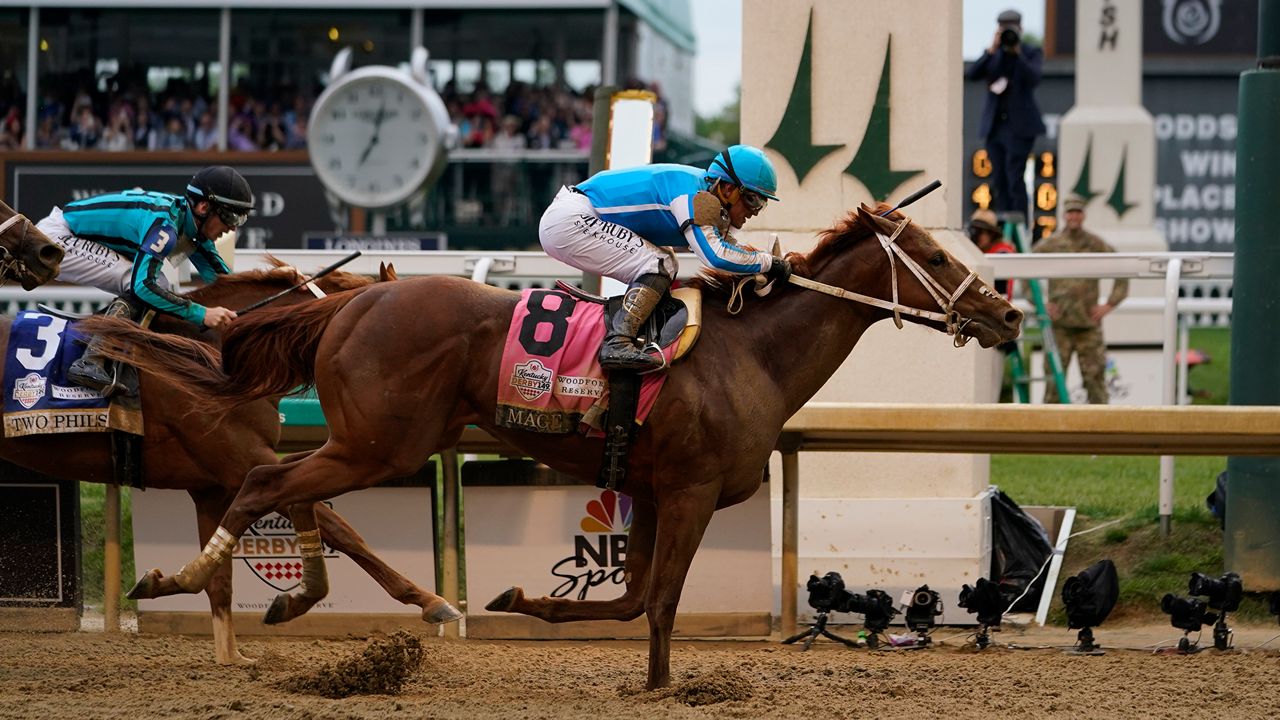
[(600, 551), (270, 549)]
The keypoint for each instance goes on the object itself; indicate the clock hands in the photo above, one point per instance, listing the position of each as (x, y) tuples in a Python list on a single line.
[(377, 126)]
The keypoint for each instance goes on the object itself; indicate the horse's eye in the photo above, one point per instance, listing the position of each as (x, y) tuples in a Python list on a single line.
[(939, 259)]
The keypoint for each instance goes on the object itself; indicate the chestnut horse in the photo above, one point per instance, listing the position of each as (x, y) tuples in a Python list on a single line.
[(209, 457), (26, 254), (402, 368)]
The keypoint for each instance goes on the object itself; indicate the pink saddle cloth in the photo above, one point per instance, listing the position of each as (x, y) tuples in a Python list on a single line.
[(550, 380)]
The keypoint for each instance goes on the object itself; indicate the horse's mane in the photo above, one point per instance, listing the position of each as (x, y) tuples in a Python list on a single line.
[(834, 240), (281, 274)]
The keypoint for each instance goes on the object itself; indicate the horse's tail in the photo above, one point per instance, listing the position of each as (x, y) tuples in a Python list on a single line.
[(269, 352)]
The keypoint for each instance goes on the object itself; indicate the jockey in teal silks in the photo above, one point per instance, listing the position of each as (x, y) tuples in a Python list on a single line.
[(626, 224), (119, 242)]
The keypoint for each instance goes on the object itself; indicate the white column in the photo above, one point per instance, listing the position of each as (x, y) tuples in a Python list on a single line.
[(33, 75), (1107, 148), (851, 152), (224, 85)]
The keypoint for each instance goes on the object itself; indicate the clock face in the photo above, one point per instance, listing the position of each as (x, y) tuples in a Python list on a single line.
[(373, 139)]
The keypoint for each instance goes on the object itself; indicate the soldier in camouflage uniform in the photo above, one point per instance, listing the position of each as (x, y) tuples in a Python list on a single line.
[(1073, 307)]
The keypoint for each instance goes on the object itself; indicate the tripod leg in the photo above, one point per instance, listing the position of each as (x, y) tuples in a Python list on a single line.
[(832, 636)]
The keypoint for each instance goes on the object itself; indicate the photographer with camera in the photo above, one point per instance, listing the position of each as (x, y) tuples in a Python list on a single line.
[(1010, 118)]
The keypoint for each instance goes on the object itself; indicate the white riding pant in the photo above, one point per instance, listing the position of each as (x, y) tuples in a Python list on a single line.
[(89, 263), (572, 232)]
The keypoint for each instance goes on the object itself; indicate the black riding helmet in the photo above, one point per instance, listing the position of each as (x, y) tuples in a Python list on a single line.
[(227, 191)]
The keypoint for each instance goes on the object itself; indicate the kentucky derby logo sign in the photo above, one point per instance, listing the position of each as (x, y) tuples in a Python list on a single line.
[(600, 551), (531, 379), (270, 550), (1191, 22), (28, 390)]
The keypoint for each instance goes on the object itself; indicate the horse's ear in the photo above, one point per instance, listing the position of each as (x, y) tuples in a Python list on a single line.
[(386, 272), (881, 225)]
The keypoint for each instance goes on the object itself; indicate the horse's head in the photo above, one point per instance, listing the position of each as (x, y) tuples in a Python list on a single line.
[(899, 264), (242, 289), (26, 254)]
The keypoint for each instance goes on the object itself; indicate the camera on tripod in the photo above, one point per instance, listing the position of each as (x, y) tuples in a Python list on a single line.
[(827, 594), (1190, 614), (923, 607)]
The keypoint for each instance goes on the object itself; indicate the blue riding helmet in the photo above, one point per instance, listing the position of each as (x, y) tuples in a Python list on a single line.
[(747, 167)]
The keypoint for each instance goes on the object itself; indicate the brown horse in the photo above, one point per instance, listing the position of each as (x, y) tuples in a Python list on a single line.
[(402, 368), (209, 457), (26, 254)]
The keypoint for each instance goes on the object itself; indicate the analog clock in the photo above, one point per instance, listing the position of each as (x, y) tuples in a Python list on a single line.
[(377, 135)]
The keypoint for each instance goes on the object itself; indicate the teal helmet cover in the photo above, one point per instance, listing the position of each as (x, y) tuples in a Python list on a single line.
[(747, 167)]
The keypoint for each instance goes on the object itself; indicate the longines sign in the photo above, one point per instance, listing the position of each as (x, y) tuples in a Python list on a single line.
[(290, 201)]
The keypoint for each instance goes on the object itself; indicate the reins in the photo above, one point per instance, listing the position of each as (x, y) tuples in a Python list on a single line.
[(949, 317)]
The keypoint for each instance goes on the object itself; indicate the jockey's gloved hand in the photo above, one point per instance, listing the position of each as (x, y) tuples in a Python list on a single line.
[(779, 269)]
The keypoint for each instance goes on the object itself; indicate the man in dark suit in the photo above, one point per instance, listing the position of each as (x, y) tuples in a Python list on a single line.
[(1011, 118)]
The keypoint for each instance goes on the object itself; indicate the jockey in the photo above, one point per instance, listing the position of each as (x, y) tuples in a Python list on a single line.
[(118, 243), (626, 224)]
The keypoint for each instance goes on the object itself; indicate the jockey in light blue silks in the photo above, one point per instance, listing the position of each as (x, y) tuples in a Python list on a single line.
[(626, 224), (118, 242)]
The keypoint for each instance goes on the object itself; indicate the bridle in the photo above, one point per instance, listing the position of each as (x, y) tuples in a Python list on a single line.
[(949, 317), (10, 265)]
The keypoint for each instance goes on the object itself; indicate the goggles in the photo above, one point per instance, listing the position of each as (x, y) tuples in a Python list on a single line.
[(230, 217), (754, 200)]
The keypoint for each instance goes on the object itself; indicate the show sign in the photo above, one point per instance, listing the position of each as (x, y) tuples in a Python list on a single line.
[(289, 200), (1195, 128)]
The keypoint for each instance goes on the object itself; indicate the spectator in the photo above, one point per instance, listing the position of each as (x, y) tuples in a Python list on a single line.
[(542, 134), (206, 134), (271, 131), (1010, 118), (86, 131), (580, 133), (985, 232), (238, 134), (11, 130), (173, 136), (119, 134), (1073, 307), (145, 124)]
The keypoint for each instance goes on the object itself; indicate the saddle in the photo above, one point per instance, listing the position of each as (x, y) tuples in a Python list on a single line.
[(676, 319)]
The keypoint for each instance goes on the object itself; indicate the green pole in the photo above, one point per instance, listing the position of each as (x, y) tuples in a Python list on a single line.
[(1252, 540)]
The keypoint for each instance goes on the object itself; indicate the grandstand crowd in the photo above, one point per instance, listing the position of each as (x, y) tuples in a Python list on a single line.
[(521, 116)]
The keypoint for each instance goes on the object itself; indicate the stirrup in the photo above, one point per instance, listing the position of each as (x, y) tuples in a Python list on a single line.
[(652, 346)]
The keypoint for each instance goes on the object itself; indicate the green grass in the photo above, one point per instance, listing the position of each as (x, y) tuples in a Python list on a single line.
[(92, 528)]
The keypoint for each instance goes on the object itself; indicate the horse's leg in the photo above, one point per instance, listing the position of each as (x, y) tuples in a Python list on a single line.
[(628, 606), (210, 505), (682, 518), (195, 575), (328, 472), (315, 578), (342, 537)]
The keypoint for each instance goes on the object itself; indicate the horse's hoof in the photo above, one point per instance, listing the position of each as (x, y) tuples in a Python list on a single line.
[(441, 614), (279, 610), (505, 601), (237, 659), (145, 588)]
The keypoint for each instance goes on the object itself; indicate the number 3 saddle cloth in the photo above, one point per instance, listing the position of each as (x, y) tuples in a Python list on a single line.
[(39, 399), (550, 380)]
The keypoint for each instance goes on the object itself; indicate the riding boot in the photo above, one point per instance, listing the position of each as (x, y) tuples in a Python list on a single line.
[(90, 370), (619, 350)]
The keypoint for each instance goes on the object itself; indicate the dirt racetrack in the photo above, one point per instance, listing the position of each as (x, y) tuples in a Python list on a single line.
[(92, 675)]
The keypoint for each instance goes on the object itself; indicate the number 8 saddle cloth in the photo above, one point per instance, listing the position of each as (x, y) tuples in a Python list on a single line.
[(550, 380)]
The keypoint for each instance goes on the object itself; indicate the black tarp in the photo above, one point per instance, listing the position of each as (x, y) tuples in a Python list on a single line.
[(1020, 547)]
